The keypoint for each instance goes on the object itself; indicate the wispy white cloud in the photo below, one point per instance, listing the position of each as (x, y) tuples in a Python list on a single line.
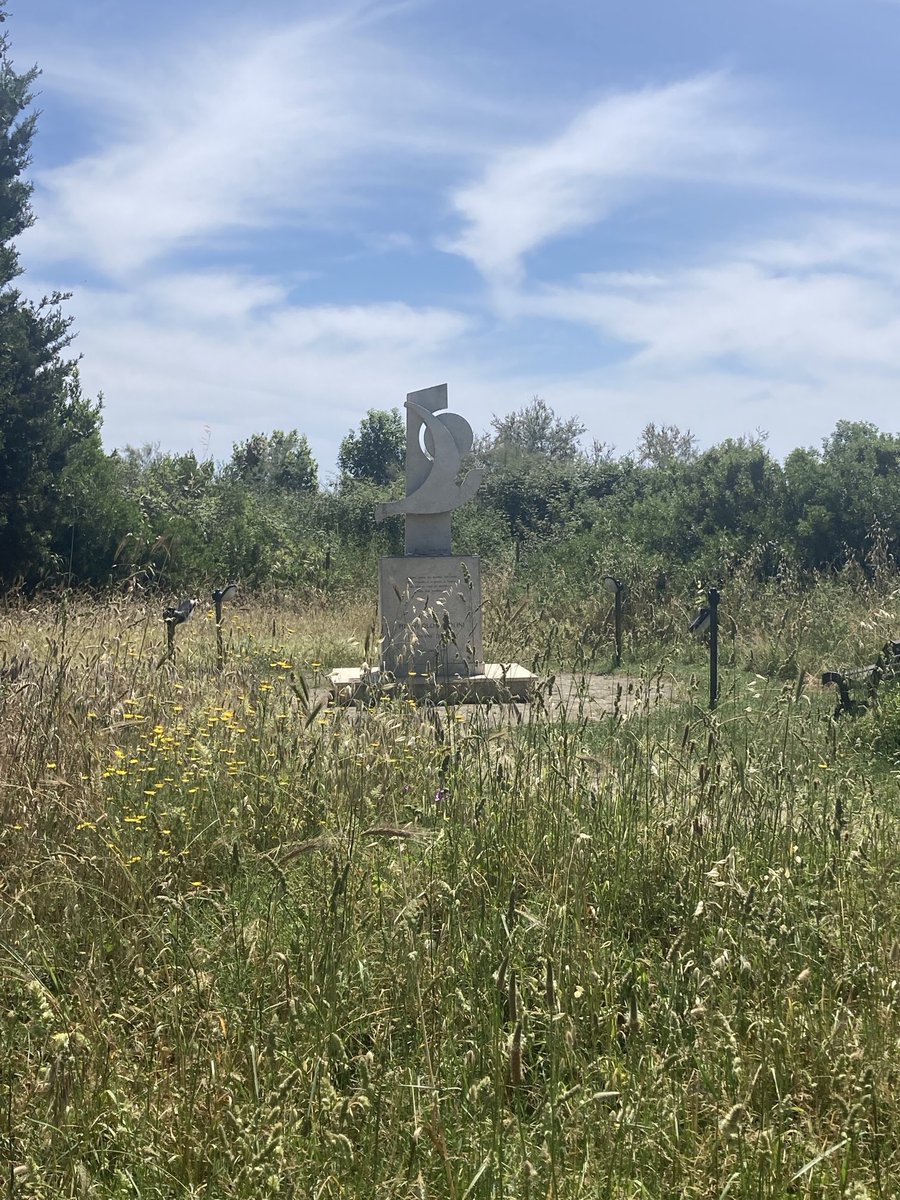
[(235, 355), (708, 131), (736, 344), (266, 125), (246, 309), (788, 330), (796, 308), (855, 243), (606, 155), (329, 122), (263, 129), (783, 334), (788, 334)]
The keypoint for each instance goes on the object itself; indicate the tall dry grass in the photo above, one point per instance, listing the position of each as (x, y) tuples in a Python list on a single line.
[(250, 945)]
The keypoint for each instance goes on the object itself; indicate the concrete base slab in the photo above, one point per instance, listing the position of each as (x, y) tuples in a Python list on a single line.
[(499, 682)]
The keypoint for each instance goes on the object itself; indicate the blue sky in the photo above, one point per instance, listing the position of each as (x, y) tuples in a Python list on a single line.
[(284, 214)]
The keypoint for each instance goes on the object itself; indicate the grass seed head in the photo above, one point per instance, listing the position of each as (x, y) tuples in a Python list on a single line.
[(512, 998), (733, 1121), (516, 1071)]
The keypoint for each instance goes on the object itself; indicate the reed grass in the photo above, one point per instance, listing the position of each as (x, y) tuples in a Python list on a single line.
[(251, 945)]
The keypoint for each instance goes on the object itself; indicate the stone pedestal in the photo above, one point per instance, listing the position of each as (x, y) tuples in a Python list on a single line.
[(429, 612)]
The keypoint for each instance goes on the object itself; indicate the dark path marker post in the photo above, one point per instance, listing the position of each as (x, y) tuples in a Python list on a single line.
[(708, 619), (169, 619), (617, 587), (173, 617), (219, 595), (713, 598)]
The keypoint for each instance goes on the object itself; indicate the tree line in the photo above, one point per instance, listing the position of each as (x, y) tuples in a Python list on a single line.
[(142, 517), (72, 513)]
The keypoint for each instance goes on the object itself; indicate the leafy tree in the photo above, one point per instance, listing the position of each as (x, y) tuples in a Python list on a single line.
[(279, 462), (175, 497), (166, 485), (837, 497), (534, 431), (732, 497), (91, 541), (376, 453), (256, 538), (16, 132), (348, 515), (44, 422), (534, 472), (663, 445), (707, 509)]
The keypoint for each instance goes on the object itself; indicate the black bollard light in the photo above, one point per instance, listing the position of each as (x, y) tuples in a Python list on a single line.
[(713, 597), (173, 617), (708, 619), (220, 595), (617, 587)]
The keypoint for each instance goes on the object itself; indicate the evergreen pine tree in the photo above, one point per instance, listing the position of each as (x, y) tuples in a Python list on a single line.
[(44, 420)]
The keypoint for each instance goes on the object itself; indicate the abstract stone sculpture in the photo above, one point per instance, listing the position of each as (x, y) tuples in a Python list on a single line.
[(429, 600), (433, 487)]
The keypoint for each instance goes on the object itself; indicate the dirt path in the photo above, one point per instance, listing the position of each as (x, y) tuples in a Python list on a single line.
[(591, 696), (604, 694)]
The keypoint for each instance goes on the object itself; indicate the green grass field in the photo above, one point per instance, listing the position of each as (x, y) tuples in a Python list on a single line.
[(252, 946)]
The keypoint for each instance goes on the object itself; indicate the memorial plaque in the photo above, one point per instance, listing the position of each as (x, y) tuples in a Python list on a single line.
[(430, 616)]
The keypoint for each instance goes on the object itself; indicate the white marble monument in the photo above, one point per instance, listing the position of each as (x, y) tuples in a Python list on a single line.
[(429, 600)]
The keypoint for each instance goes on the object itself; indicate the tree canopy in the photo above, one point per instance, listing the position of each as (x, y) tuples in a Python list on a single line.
[(69, 511), (47, 429), (277, 462), (533, 431), (376, 452)]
